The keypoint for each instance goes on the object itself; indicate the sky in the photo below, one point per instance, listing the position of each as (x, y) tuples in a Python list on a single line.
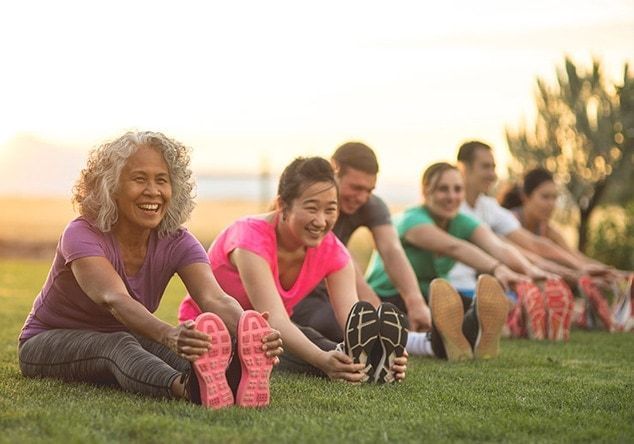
[(248, 83)]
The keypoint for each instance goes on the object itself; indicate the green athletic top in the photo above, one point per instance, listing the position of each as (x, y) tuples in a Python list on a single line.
[(427, 265)]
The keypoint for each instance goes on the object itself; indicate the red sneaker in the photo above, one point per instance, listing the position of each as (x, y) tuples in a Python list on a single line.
[(514, 322), (210, 368), (558, 310), (533, 309), (597, 302), (571, 308), (253, 390), (622, 303)]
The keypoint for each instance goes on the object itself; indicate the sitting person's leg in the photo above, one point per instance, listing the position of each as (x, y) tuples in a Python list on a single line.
[(102, 358)]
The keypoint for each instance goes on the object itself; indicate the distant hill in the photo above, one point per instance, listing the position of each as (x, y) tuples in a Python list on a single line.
[(30, 166)]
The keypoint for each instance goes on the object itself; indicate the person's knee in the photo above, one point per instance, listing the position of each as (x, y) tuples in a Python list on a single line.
[(123, 340)]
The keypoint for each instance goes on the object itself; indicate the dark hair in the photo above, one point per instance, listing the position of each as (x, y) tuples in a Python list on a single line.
[(535, 178), (302, 173), (466, 152), (356, 155), (433, 172), (512, 197)]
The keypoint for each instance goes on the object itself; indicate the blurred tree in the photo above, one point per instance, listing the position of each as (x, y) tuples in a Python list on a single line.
[(584, 135)]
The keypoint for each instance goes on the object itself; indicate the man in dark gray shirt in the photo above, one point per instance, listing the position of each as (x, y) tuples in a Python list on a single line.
[(356, 170)]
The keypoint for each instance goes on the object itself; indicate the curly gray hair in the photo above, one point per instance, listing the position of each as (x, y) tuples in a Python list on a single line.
[(93, 193)]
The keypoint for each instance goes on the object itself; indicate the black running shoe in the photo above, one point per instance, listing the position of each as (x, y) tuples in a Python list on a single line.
[(393, 327), (362, 333), (192, 390)]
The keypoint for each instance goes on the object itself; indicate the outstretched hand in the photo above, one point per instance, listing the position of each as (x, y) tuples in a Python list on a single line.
[(188, 342), (419, 318), (272, 343), (338, 365), (508, 277), (400, 367)]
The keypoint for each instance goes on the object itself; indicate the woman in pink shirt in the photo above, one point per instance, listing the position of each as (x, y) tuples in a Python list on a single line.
[(271, 261)]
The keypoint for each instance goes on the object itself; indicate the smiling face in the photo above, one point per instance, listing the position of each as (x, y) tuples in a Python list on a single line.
[(444, 194), (480, 174), (312, 214), (355, 188), (144, 191), (540, 204)]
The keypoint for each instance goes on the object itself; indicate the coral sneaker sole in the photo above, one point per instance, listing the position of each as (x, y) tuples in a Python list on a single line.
[(492, 309), (558, 307), (393, 326), (447, 315), (253, 390), (362, 334), (533, 309), (210, 368), (598, 303)]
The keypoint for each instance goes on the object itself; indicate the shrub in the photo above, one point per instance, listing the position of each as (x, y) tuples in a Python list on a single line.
[(612, 239)]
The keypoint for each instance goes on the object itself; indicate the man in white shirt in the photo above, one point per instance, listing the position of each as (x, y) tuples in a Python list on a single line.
[(476, 162)]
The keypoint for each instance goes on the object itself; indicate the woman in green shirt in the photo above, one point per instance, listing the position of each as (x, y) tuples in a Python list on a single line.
[(435, 235)]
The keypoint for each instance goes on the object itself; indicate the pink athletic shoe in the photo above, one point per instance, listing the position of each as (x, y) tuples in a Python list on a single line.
[(210, 368), (534, 310), (558, 310), (598, 303), (253, 390), (571, 308), (514, 322)]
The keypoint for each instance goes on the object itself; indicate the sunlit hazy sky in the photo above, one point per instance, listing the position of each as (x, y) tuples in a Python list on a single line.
[(250, 82)]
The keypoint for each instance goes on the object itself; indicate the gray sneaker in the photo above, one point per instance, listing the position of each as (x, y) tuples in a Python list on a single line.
[(361, 334), (393, 327)]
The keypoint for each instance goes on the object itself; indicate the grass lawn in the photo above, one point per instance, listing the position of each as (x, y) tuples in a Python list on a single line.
[(535, 392)]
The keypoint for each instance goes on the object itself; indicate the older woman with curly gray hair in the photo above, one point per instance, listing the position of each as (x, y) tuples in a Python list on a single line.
[(93, 321)]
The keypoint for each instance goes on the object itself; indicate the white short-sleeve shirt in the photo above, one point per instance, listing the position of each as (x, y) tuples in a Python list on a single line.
[(499, 219)]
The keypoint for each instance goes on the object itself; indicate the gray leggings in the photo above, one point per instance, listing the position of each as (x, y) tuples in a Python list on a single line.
[(133, 362)]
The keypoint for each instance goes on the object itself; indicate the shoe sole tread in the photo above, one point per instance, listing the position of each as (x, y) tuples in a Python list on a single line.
[(447, 315), (211, 367), (492, 310), (253, 389)]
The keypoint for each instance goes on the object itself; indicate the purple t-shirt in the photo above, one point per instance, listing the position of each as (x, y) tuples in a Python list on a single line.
[(62, 304)]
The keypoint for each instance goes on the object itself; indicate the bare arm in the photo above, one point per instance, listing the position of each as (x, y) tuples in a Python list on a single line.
[(260, 287), (430, 237), (401, 274), (506, 253), (544, 247), (205, 291), (98, 279), (364, 291), (588, 265), (342, 293), (569, 274)]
